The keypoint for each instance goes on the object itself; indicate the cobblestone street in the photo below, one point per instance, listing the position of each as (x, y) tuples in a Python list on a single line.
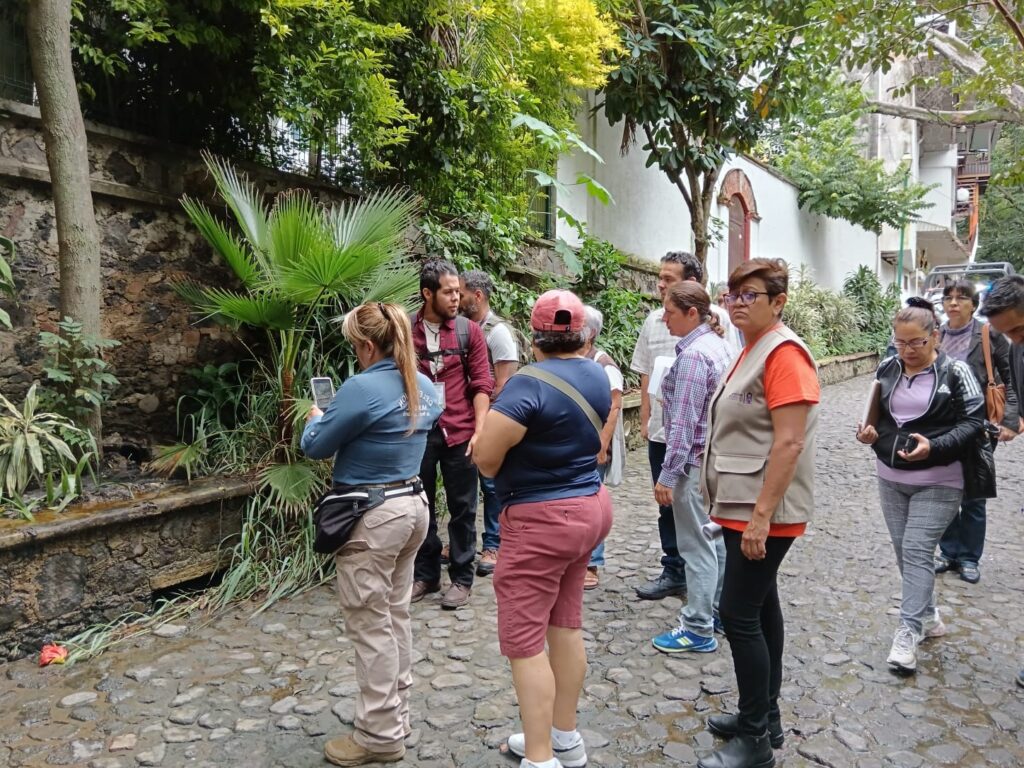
[(268, 691)]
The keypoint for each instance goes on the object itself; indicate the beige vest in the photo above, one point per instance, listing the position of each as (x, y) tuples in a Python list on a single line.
[(740, 438)]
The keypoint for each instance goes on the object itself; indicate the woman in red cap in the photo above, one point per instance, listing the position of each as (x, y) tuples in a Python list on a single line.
[(540, 444)]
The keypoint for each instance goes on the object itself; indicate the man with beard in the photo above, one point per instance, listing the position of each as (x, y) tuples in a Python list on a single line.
[(451, 351), (655, 341)]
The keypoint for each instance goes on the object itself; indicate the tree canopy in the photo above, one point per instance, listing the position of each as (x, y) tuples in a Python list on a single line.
[(700, 80), (977, 49), (1001, 228)]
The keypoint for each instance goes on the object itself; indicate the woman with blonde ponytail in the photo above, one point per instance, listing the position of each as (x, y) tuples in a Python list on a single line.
[(376, 429)]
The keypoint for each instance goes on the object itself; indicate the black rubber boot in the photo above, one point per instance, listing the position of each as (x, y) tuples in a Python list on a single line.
[(728, 726), (742, 751)]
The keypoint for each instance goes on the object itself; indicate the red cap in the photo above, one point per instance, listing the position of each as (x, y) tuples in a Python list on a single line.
[(557, 311)]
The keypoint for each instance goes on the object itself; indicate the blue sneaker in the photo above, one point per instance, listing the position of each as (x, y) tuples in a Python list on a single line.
[(680, 640)]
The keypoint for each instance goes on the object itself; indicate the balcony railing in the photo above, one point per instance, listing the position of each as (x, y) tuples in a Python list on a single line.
[(975, 167)]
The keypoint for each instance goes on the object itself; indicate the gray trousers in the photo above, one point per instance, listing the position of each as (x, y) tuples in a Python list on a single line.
[(917, 516), (704, 560)]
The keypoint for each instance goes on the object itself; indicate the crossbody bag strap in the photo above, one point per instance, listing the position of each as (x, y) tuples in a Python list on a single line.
[(986, 350), (566, 389)]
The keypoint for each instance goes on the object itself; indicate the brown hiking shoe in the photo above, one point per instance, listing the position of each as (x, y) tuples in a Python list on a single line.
[(456, 596), (421, 589), (345, 751), (488, 561)]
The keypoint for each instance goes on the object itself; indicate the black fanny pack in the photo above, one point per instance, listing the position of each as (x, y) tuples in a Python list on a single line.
[(337, 511)]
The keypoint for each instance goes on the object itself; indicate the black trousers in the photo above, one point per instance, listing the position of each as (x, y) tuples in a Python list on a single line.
[(671, 560), (752, 616), (460, 479)]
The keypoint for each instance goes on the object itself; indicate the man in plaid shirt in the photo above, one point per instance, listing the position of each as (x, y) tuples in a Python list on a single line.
[(702, 357)]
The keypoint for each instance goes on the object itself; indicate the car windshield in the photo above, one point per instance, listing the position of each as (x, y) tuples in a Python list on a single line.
[(939, 280)]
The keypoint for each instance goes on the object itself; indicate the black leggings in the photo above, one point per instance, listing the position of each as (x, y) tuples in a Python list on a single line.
[(750, 611)]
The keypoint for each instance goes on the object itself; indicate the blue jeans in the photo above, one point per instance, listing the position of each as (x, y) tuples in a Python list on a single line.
[(597, 556), (670, 561), (492, 509), (964, 539), (705, 560)]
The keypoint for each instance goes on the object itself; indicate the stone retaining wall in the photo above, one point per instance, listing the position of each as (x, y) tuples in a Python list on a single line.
[(147, 244), (89, 565)]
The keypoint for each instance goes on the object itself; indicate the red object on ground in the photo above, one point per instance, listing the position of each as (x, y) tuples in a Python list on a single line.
[(53, 654)]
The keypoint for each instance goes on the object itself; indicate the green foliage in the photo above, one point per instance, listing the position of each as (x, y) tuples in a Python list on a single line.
[(859, 319), (297, 262), (981, 67), (6, 278), (34, 453), (700, 80), (877, 307), (825, 160), (1001, 224), (315, 64), (79, 380), (624, 310)]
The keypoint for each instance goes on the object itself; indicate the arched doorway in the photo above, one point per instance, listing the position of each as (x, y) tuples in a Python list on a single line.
[(739, 233), (738, 196)]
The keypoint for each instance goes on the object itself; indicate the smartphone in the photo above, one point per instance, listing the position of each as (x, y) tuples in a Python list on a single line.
[(323, 391), (910, 445)]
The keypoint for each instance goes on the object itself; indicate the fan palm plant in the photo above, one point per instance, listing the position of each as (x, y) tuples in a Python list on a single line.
[(296, 259)]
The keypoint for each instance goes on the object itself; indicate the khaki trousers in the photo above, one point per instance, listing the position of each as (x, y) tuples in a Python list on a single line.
[(374, 587)]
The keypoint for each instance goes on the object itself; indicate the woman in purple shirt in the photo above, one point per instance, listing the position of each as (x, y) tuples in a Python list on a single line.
[(931, 411)]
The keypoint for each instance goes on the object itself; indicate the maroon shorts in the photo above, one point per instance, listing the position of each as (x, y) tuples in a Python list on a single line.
[(538, 582)]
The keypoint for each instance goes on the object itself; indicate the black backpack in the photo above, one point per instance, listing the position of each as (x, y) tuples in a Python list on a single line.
[(461, 333)]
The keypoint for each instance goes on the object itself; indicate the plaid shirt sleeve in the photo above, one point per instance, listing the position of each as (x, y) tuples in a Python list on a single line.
[(686, 393)]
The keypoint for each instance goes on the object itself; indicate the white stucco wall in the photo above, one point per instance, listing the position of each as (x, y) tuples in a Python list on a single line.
[(649, 216), (939, 169)]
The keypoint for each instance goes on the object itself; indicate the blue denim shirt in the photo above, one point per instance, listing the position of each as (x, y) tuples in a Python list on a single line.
[(365, 427)]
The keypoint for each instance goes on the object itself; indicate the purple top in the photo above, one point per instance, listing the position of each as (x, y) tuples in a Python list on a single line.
[(957, 342), (910, 399)]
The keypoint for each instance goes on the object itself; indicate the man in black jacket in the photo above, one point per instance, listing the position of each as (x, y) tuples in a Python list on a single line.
[(1004, 308)]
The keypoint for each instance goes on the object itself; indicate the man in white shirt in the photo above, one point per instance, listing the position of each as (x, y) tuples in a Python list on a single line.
[(476, 288), (655, 341)]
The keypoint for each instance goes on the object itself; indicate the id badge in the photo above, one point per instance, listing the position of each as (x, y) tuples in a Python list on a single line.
[(439, 386)]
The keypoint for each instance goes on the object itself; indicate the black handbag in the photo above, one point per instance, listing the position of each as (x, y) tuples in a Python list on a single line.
[(337, 512), (980, 468)]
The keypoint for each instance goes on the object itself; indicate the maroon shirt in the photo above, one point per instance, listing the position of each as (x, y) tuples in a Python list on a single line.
[(458, 420)]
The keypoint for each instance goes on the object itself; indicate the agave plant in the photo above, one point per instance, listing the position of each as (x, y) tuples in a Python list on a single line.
[(296, 259)]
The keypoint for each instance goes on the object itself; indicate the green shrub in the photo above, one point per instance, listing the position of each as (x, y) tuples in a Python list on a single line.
[(34, 453), (78, 378)]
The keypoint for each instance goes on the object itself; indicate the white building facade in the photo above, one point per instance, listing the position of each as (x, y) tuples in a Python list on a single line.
[(755, 211)]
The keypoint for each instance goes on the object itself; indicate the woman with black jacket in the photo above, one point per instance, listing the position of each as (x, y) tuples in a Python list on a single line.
[(960, 337), (931, 412)]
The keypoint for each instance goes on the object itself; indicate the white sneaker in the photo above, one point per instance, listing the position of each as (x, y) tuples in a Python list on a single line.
[(903, 654), (933, 626), (572, 757)]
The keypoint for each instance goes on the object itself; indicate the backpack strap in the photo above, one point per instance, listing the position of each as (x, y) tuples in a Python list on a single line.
[(566, 389), (461, 335)]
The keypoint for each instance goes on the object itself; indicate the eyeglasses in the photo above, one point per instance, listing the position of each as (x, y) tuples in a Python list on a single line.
[(912, 344), (954, 299), (744, 297)]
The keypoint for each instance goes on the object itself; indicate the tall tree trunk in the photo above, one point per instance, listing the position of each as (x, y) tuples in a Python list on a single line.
[(48, 24)]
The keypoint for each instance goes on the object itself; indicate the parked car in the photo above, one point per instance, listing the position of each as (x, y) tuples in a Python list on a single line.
[(983, 274)]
